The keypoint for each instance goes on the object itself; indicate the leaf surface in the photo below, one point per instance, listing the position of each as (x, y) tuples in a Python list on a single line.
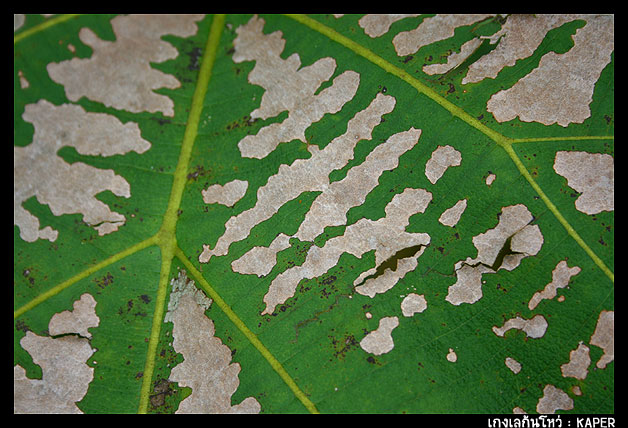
[(373, 213)]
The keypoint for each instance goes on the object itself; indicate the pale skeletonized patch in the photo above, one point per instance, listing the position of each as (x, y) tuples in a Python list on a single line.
[(468, 285), (412, 304), (387, 236), (451, 216), (455, 59), (525, 240), (376, 24), (24, 84), (207, 367), (514, 223), (82, 317), (331, 206), (442, 158), (452, 357), (380, 341), (378, 284), (305, 175), (553, 399), (119, 73), (593, 175), (63, 361), (513, 365), (184, 286), (518, 38), (604, 337), (70, 188), (261, 260), (294, 91), (561, 88), (560, 279), (433, 29), (534, 328), (578, 365), (226, 195)]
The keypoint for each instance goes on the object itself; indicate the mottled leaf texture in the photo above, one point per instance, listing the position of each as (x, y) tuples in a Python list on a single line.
[(314, 214)]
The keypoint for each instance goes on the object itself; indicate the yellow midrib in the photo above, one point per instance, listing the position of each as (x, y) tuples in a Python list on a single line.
[(166, 237), (501, 140), (168, 242)]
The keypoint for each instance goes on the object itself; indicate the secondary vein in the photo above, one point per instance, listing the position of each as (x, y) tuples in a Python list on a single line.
[(569, 138), (84, 274), (402, 74), (274, 363), (167, 233), (40, 27), (501, 140)]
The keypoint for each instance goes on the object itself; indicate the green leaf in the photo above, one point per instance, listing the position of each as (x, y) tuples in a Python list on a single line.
[(321, 213)]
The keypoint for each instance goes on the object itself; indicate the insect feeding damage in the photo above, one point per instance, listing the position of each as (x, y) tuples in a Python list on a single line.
[(593, 175), (206, 367), (518, 38), (433, 29), (413, 303), (226, 195), (513, 365), (304, 175), (604, 337), (553, 399), (502, 247), (451, 216), (580, 359), (561, 275), (376, 25), (182, 286), (559, 90), (386, 236), (119, 73), (380, 341), (452, 357), (63, 361), (455, 59), (70, 188), (534, 327), (442, 158), (293, 92), (280, 95), (578, 364), (312, 174)]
